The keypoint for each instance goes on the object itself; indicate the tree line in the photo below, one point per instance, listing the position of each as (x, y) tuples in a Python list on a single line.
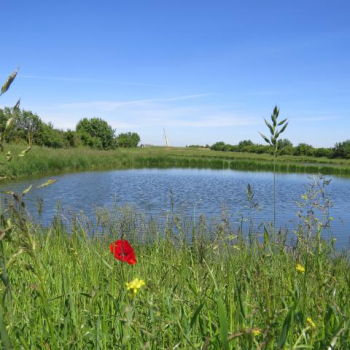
[(94, 132), (340, 149)]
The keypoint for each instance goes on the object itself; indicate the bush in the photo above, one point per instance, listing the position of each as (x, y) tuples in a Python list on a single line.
[(128, 140), (303, 149), (323, 152), (218, 146), (96, 133), (341, 150)]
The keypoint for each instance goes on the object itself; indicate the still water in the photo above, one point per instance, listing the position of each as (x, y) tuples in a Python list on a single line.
[(191, 191)]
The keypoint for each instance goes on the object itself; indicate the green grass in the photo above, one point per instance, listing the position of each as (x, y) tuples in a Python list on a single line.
[(49, 161), (206, 288)]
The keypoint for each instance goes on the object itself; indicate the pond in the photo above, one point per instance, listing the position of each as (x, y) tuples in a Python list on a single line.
[(191, 191)]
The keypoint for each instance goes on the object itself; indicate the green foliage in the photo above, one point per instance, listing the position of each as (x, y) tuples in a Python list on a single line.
[(341, 150), (96, 133), (44, 160), (5, 115), (214, 293), (128, 140), (303, 149), (243, 145), (27, 126), (285, 148), (323, 152), (218, 146)]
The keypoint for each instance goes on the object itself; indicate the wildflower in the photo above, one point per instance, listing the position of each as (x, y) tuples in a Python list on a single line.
[(122, 250), (256, 332), (134, 286), (311, 322), (300, 268)]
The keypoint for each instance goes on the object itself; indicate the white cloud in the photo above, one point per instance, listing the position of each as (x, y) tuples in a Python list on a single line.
[(112, 105)]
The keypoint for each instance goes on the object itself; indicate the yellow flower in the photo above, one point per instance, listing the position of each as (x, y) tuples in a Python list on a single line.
[(134, 286), (300, 268), (310, 322), (256, 332)]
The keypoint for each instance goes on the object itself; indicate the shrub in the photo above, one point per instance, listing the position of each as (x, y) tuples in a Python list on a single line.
[(96, 133), (341, 150), (128, 140)]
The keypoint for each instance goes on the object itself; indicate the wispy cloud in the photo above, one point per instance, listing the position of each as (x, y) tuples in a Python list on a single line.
[(112, 105)]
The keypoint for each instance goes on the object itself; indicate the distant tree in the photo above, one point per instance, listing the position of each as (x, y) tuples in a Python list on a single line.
[(218, 146), (48, 136), (27, 126), (284, 143), (341, 150), (323, 152), (128, 140), (303, 149), (5, 115), (244, 144), (285, 147), (72, 138), (96, 133)]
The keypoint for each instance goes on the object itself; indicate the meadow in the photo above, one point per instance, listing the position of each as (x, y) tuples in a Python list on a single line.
[(42, 160), (202, 285)]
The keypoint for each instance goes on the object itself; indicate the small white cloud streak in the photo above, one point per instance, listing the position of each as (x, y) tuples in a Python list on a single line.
[(112, 105)]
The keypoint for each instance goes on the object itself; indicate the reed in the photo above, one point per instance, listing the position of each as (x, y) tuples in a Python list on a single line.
[(52, 161), (205, 288)]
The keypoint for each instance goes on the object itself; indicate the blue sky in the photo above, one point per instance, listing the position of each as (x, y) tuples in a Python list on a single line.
[(205, 71)]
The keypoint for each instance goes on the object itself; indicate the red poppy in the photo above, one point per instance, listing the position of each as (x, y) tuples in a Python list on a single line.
[(122, 250)]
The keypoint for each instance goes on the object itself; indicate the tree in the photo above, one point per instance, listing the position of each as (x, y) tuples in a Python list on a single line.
[(27, 125), (128, 140), (96, 132), (303, 149), (341, 150), (218, 146)]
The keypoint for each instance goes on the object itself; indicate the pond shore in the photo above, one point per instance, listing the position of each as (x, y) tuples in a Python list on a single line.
[(45, 161)]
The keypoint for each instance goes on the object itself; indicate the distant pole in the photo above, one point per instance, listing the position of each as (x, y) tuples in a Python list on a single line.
[(166, 139)]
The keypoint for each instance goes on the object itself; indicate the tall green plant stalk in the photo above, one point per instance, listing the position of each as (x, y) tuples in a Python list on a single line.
[(275, 132), (6, 225)]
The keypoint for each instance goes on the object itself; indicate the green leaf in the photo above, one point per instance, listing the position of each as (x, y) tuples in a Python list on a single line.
[(265, 138), (24, 152), (3, 330), (17, 105), (27, 190), (8, 123), (285, 329), (272, 129), (47, 183), (222, 320), (9, 156), (284, 128), (282, 122), (267, 239), (195, 315), (8, 82)]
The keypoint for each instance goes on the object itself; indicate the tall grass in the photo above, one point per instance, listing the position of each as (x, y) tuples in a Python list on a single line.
[(206, 287), (44, 161)]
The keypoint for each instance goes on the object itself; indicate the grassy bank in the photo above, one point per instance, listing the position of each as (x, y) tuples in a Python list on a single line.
[(45, 161), (205, 287)]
